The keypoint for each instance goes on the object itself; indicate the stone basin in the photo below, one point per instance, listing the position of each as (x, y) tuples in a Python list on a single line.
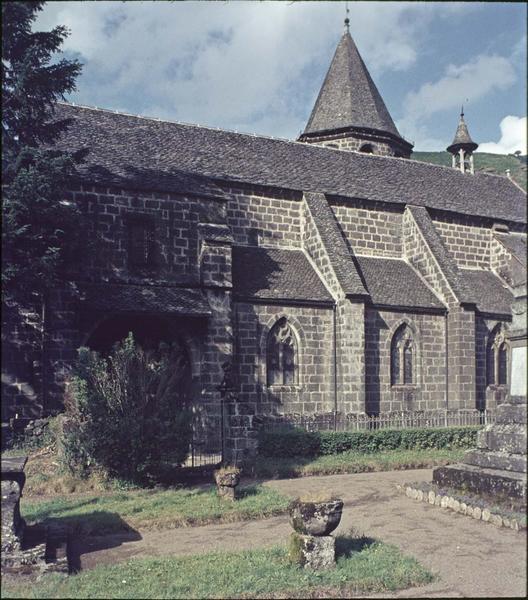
[(315, 518)]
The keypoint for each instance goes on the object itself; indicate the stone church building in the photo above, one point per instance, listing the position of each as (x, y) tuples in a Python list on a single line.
[(328, 274)]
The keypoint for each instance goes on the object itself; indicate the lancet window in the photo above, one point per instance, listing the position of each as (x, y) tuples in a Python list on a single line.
[(403, 357), (282, 354)]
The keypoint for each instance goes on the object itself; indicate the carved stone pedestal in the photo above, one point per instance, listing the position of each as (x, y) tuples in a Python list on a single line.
[(13, 480), (37, 548), (313, 552)]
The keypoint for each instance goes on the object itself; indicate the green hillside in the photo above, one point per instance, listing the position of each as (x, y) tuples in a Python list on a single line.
[(484, 162)]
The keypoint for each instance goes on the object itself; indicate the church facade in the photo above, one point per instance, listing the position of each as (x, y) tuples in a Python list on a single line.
[(328, 274)]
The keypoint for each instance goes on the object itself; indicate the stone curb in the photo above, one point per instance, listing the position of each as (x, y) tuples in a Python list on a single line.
[(451, 503)]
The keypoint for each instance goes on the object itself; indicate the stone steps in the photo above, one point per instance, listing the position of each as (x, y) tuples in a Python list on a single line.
[(495, 482), (496, 460)]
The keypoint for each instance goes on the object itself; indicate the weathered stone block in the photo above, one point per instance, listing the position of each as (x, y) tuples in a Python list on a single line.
[(496, 460), (312, 552), (12, 522), (511, 413), (479, 480)]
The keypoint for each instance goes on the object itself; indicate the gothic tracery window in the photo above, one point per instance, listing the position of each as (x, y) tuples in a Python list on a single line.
[(497, 359), (403, 357), (281, 354)]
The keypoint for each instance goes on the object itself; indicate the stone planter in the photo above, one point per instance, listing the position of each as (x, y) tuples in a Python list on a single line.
[(226, 483), (315, 518), (311, 546)]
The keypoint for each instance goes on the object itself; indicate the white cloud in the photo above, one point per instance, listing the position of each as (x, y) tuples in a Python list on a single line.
[(245, 65), (471, 81), (513, 137)]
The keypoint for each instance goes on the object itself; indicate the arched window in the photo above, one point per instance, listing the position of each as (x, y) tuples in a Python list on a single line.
[(367, 149), (497, 358), (281, 359), (403, 357)]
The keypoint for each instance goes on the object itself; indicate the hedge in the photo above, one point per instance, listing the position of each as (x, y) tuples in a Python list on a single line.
[(298, 442)]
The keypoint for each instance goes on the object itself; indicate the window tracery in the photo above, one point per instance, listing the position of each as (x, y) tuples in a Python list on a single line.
[(497, 359), (403, 357), (281, 354)]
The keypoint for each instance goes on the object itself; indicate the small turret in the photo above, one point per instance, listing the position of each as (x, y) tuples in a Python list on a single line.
[(462, 147)]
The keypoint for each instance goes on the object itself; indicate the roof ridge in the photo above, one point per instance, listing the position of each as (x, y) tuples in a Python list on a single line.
[(185, 123), (317, 148)]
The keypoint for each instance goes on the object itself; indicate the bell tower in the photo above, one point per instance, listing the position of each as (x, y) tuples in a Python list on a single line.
[(462, 148), (349, 113)]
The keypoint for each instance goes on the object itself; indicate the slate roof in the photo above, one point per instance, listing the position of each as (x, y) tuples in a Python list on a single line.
[(145, 299), (447, 265), (489, 293), (515, 244), (462, 137), (276, 274), (348, 96), (339, 254), (393, 282), (151, 154)]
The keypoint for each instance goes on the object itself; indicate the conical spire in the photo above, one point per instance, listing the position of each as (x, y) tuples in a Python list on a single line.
[(462, 138), (349, 97)]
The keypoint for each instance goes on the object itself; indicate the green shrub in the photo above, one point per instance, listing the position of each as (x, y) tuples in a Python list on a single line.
[(298, 442), (289, 442), (127, 414)]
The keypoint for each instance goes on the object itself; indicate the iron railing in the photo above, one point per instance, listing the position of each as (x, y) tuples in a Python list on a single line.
[(393, 420)]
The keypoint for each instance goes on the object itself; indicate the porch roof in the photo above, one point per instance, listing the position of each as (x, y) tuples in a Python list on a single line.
[(150, 299)]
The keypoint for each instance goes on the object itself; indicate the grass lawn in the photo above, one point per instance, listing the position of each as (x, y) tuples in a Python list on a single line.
[(355, 462), (363, 565), (114, 512)]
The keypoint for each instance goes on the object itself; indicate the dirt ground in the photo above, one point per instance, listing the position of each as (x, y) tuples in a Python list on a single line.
[(471, 558)]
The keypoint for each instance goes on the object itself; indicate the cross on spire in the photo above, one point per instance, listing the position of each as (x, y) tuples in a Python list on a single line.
[(347, 20)]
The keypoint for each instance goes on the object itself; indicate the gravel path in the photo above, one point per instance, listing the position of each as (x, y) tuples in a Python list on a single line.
[(471, 558)]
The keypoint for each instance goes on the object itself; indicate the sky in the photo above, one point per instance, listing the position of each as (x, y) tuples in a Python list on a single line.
[(257, 66)]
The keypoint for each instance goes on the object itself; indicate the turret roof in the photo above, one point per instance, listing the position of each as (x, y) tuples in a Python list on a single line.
[(348, 96), (462, 138)]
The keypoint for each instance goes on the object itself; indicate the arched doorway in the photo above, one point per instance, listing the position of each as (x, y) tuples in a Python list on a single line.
[(148, 331), (157, 334)]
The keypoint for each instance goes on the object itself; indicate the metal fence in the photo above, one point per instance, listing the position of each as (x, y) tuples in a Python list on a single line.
[(393, 420), (207, 442)]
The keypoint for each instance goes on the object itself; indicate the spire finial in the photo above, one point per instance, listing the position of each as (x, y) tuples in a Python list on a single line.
[(347, 20), (462, 111)]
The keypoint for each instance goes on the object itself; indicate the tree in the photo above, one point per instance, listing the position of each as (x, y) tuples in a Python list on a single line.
[(38, 225)]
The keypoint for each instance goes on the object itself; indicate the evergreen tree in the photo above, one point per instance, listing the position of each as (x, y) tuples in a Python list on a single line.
[(39, 227)]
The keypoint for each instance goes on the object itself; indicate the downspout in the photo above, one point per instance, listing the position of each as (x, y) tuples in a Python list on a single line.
[(335, 365)]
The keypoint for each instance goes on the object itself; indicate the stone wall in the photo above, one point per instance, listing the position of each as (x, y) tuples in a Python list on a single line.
[(258, 218), (175, 220), (313, 391), (428, 389), (358, 141), (376, 232), (21, 362), (350, 316), (468, 242), (193, 238)]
